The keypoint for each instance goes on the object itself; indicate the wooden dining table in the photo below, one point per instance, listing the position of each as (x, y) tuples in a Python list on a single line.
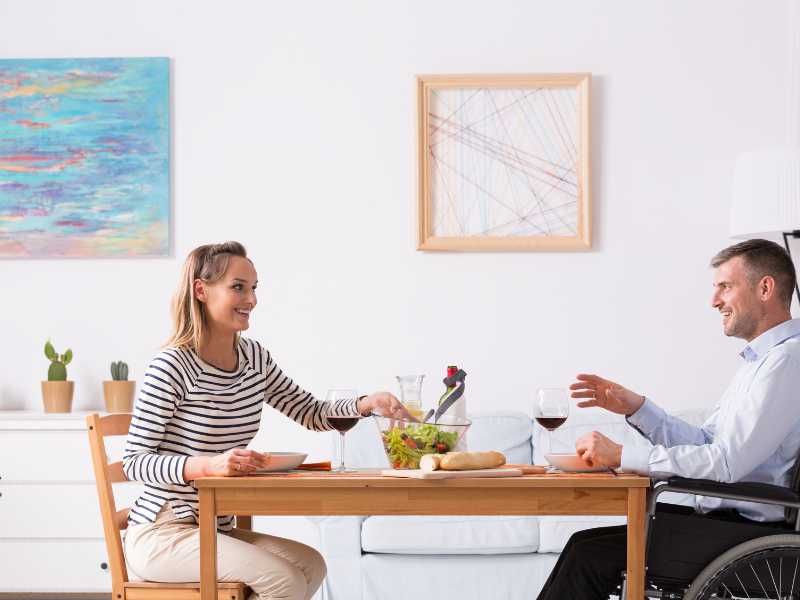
[(368, 493)]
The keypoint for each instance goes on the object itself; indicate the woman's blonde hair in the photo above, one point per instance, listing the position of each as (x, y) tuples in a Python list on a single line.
[(207, 263)]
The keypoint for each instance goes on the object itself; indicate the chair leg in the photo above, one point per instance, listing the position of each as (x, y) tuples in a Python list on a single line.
[(118, 593)]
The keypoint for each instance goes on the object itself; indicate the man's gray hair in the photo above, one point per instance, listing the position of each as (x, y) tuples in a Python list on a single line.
[(762, 258)]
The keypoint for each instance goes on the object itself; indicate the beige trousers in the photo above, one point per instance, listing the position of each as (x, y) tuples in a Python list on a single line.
[(169, 551)]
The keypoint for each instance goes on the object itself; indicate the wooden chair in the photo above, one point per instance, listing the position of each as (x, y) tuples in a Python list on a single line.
[(116, 520)]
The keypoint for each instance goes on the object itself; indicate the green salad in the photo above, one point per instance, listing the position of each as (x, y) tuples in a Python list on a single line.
[(407, 445)]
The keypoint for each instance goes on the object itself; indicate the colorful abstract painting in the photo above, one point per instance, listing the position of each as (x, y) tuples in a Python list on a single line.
[(84, 157)]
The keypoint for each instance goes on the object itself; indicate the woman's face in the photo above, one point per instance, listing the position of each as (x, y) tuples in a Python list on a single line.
[(228, 302)]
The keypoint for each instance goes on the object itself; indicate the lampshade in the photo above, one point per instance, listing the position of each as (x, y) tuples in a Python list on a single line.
[(766, 192)]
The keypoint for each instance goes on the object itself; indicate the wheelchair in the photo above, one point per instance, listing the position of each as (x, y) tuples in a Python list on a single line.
[(762, 563)]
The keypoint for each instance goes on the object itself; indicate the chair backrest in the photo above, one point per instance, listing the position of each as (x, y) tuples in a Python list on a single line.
[(106, 474)]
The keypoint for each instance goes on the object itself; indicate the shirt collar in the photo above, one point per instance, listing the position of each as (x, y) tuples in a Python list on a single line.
[(757, 348)]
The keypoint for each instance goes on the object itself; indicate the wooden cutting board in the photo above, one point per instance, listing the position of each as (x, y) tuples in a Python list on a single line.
[(420, 474), (528, 469)]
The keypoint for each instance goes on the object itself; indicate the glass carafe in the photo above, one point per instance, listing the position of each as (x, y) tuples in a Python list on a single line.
[(411, 393)]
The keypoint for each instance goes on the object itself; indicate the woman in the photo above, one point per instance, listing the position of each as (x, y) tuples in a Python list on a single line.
[(199, 405)]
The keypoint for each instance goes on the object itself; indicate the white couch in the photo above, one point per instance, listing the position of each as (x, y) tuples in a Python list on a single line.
[(449, 558)]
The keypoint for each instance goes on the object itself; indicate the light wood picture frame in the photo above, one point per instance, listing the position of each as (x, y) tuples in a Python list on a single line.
[(503, 162)]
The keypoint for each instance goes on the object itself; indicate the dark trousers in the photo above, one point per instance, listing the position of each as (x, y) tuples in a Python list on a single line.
[(681, 543)]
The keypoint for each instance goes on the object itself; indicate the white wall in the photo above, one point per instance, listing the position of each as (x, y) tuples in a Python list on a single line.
[(294, 133)]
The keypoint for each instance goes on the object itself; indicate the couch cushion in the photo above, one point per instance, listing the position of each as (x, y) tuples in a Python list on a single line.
[(502, 577), (555, 531), (507, 431), (450, 535), (363, 448)]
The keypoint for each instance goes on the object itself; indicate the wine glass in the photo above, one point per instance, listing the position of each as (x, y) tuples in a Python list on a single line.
[(551, 409), (342, 421)]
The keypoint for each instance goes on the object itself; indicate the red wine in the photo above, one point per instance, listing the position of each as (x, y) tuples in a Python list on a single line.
[(343, 423), (551, 423)]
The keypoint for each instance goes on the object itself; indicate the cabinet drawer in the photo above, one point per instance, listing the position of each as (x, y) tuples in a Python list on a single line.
[(51, 455), (53, 566), (57, 511)]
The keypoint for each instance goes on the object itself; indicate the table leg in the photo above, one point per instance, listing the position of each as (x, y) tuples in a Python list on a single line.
[(636, 522), (208, 544)]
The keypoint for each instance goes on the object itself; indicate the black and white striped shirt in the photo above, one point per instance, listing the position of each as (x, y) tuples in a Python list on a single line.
[(187, 407)]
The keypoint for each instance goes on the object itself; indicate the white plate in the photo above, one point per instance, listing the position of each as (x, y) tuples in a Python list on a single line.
[(571, 463), (282, 461)]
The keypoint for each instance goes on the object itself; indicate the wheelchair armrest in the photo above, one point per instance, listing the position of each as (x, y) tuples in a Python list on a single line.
[(749, 491)]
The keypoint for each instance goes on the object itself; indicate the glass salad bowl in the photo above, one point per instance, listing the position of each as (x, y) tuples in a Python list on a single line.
[(406, 442)]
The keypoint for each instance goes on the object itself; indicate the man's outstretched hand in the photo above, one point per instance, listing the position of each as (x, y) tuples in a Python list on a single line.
[(605, 394)]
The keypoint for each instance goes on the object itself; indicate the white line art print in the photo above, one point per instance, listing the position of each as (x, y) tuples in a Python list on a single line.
[(504, 168)]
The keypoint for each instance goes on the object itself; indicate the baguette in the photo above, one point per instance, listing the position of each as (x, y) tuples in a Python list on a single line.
[(430, 462), (464, 461)]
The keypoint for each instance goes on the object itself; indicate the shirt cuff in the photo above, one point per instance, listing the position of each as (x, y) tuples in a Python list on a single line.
[(179, 468), (647, 418), (636, 460)]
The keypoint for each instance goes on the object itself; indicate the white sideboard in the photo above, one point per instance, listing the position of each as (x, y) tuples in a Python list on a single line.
[(51, 536)]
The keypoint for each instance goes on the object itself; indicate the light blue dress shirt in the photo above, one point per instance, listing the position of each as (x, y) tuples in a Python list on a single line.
[(753, 433)]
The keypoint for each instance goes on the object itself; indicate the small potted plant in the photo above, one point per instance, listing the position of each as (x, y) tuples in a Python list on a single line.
[(57, 391), (119, 391)]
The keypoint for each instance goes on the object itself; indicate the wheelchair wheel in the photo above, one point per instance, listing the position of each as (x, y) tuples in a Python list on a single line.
[(763, 568)]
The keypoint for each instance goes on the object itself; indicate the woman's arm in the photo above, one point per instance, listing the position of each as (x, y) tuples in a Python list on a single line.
[(237, 461), (154, 409), (285, 395)]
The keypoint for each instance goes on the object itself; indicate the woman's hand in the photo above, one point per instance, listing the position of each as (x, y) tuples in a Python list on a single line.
[(597, 450), (605, 394), (234, 462), (385, 404)]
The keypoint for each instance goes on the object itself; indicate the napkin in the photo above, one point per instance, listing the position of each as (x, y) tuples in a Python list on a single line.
[(319, 466)]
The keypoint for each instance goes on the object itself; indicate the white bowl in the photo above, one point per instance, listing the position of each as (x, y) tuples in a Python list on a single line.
[(572, 463), (282, 461)]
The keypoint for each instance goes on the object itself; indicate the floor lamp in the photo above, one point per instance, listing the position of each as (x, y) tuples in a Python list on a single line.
[(766, 195)]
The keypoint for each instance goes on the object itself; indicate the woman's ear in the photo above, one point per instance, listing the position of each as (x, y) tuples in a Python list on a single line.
[(200, 290)]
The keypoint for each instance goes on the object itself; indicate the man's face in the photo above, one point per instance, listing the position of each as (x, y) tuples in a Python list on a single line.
[(737, 299)]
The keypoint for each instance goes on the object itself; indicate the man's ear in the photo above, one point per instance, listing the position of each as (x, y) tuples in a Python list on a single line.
[(766, 287), (200, 290)]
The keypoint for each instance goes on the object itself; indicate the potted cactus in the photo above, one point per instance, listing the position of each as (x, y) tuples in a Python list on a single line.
[(119, 391), (57, 391)]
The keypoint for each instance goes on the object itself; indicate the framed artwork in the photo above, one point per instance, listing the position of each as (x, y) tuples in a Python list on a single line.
[(503, 162), (84, 157)]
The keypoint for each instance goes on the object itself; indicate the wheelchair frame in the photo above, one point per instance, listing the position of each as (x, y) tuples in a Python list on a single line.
[(763, 493)]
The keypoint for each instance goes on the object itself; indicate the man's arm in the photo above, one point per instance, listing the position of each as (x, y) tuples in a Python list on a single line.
[(643, 414), (764, 417), (666, 430)]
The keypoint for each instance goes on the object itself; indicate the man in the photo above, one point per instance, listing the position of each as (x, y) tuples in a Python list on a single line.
[(753, 433)]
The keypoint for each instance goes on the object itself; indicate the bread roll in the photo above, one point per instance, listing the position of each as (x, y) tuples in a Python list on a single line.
[(430, 462), (463, 461)]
